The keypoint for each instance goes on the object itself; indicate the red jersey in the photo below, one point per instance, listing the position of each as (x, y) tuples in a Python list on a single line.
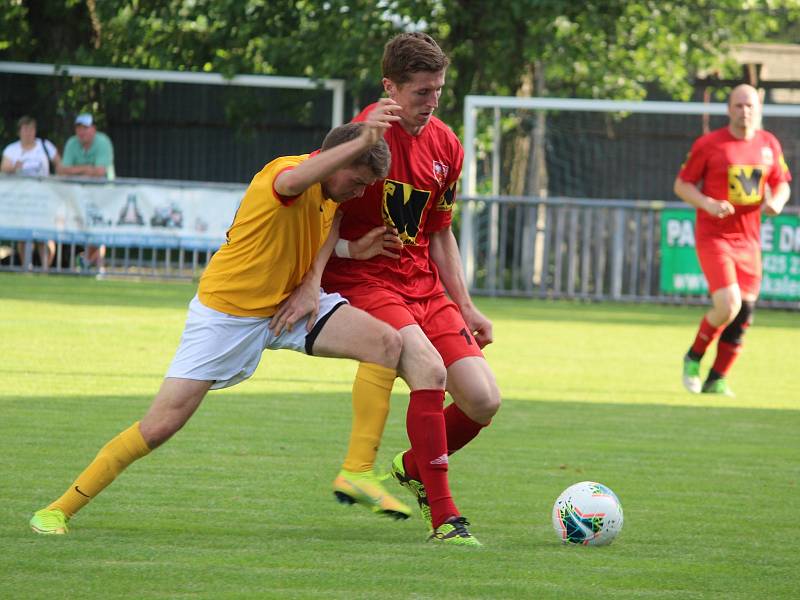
[(737, 171), (416, 198)]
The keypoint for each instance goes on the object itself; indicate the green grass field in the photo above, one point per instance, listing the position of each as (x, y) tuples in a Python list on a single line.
[(238, 504)]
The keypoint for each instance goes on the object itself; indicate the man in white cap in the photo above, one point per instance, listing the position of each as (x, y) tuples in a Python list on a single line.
[(89, 153)]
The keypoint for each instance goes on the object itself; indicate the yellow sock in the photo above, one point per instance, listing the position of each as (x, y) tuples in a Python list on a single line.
[(372, 389), (112, 459)]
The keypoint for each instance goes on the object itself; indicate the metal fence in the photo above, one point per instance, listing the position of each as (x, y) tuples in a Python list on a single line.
[(511, 246), (24, 254), (567, 248)]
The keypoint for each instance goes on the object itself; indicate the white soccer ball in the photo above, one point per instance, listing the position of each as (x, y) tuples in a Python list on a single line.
[(587, 513)]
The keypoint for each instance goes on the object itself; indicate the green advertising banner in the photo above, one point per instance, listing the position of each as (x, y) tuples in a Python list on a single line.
[(780, 249)]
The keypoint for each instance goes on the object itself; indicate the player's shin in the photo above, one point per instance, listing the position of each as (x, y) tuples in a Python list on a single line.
[(730, 341), (112, 459), (372, 390), (427, 433), (706, 334), (461, 430)]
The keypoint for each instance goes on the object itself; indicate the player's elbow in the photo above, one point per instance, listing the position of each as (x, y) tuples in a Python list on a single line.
[(287, 185)]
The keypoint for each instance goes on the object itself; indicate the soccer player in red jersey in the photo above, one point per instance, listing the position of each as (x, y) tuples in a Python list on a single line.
[(735, 165), (442, 336)]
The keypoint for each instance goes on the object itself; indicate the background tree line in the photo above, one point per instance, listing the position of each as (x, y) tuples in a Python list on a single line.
[(614, 49)]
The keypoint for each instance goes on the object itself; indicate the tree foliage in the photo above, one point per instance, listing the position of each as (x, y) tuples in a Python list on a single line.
[(591, 49)]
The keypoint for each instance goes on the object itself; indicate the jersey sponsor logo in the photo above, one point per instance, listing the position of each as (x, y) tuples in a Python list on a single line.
[(403, 208), (440, 171), (745, 183), (766, 156), (445, 202)]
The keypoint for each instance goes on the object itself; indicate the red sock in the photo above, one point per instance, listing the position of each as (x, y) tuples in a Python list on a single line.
[(461, 430), (427, 433), (705, 335), (726, 355)]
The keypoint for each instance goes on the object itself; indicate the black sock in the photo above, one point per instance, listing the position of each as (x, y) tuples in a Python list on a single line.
[(693, 355)]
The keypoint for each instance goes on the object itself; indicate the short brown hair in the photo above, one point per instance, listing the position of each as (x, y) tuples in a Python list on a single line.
[(409, 53), (377, 157), (25, 120)]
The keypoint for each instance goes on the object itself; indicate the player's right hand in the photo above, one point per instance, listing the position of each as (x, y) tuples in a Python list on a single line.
[(380, 119), (720, 209)]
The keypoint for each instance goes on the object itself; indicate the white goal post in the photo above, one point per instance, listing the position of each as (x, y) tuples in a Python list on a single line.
[(471, 199)]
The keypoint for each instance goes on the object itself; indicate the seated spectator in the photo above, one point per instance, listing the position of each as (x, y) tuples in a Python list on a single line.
[(89, 153), (32, 156)]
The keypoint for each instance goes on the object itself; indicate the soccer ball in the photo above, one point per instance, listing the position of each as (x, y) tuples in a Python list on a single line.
[(587, 513)]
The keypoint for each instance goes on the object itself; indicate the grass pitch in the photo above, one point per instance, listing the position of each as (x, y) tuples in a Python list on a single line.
[(238, 504)]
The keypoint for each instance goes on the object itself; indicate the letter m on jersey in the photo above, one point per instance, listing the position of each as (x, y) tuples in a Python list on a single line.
[(403, 208), (745, 184)]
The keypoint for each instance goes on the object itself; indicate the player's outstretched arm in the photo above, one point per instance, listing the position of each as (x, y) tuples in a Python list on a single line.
[(321, 166), (691, 194), (444, 252)]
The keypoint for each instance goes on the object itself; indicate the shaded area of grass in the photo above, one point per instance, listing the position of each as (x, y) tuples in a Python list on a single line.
[(239, 504)]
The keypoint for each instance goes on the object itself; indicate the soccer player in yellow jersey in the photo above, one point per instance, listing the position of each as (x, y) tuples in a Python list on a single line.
[(262, 291)]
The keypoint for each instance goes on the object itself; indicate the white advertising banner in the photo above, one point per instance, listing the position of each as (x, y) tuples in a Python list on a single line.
[(118, 213)]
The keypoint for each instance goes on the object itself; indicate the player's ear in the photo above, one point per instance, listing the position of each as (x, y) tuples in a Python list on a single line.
[(389, 87)]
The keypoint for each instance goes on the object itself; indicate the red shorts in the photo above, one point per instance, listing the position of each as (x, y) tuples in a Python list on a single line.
[(438, 317), (731, 261)]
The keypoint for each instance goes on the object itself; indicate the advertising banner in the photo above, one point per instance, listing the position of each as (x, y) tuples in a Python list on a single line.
[(780, 250), (118, 213)]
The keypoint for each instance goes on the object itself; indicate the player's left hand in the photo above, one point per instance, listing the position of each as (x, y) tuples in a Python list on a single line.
[(381, 240), (304, 300), (479, 325), (771, 208)]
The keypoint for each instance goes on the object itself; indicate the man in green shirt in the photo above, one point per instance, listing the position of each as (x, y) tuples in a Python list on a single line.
[(89, 152)]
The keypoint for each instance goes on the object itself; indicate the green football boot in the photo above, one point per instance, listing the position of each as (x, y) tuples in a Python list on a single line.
[(454, 532), (691, 375), (367, 490), (49, 522), (415, 487), (718, 386)]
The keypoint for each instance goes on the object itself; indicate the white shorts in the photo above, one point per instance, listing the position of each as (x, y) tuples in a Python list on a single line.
[(225, 349)]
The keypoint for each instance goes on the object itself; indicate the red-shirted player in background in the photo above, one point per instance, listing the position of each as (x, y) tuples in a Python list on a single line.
[(442, 337), (735, 164)]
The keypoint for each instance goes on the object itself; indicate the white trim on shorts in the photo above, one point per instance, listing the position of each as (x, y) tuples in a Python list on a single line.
[(226, 349)]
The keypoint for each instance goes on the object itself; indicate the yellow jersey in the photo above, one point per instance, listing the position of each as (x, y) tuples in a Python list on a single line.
[(269, 247)]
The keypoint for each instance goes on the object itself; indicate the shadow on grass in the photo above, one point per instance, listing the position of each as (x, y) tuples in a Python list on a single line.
[(169, 294)]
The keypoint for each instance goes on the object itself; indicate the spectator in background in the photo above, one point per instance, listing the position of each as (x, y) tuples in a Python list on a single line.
[(32, 156), (89, 153)]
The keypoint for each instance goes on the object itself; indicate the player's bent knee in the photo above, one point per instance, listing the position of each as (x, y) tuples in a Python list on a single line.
[(424, 374), (392, 347), (486, 407), (155, 434)]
